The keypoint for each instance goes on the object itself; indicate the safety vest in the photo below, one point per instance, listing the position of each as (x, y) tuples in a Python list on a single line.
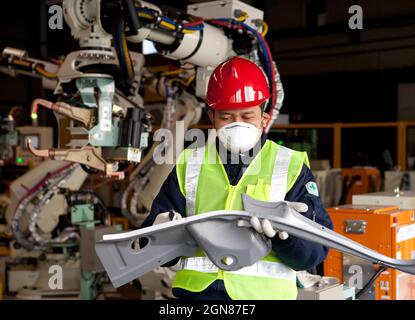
[(205, 185)]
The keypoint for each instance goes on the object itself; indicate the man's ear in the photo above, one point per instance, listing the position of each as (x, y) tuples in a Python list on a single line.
[(211, 116), (265, 119)]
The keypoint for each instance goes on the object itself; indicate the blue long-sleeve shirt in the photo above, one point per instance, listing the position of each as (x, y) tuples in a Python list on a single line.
[(296, 253)]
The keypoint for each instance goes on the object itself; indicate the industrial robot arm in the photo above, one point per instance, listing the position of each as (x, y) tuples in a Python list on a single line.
[(98, 84), (16, 62)]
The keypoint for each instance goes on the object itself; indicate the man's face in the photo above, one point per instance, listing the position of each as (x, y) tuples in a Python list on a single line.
[(252, 115)]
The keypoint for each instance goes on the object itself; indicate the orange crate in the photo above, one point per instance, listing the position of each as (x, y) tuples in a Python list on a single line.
[(362, 180), (385, 229)]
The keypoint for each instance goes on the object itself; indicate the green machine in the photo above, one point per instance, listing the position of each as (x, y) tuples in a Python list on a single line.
[(92, 272)]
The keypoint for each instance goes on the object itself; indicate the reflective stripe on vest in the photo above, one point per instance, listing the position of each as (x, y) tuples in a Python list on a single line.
[(194, 163), (260, 269), (279, 175)]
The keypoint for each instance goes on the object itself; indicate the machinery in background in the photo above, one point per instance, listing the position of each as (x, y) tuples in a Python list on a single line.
[(5, 238), (8, 140), (91, 128), (16, 160), (37, 201), (325, 292), (15, 62), (41, 137), (386, 229), (103, 121), (92, 273), (52, 221), (403, 199), (403, 180), (299, 139), (146, 180), (98, 85), (316, 287), (329, 182), (28, 277), (359, 180), (100, 127), (34, 213)]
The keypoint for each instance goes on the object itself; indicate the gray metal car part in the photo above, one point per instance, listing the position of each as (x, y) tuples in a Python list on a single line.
[(219, 236), (299, 226), (227, 246)]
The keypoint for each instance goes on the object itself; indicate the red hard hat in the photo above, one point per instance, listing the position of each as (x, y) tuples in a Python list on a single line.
[(236, 84)]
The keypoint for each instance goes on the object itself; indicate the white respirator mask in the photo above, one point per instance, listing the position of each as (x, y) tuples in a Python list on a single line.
[(239, 137)]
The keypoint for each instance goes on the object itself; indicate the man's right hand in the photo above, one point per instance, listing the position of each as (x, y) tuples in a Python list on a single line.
[(167, 217)]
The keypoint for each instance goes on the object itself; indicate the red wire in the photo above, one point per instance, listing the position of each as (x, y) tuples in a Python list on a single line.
[(194, 23), (173, 67), (273, 86), (43, 182), (225, 24), (56, 61)]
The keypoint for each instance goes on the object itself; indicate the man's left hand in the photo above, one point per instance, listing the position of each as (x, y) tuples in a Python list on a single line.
[(265, 226)]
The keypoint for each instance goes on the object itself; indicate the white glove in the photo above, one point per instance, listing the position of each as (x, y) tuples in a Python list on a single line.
[(265, 226), (167, 217)]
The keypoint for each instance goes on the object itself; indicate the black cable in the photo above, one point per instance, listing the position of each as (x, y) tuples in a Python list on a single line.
[(370, 282), (129, 12), (88, 197)]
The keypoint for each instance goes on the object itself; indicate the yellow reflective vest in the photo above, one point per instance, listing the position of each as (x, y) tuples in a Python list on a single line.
[(205, 185)]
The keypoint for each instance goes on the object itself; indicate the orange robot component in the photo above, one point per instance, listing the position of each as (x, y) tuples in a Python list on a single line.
[(359, 180)]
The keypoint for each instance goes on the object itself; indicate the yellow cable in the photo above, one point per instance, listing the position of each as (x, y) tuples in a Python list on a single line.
[(185, 83), (191, 78), (163, 23), (37, 68), (167, 25), (22, 63), (264, 28), (243, 17), (145, 15), (44, 73), (167, 73), (126, 54)]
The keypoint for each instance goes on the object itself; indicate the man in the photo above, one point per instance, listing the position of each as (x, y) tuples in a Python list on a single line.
[(237, 91)]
